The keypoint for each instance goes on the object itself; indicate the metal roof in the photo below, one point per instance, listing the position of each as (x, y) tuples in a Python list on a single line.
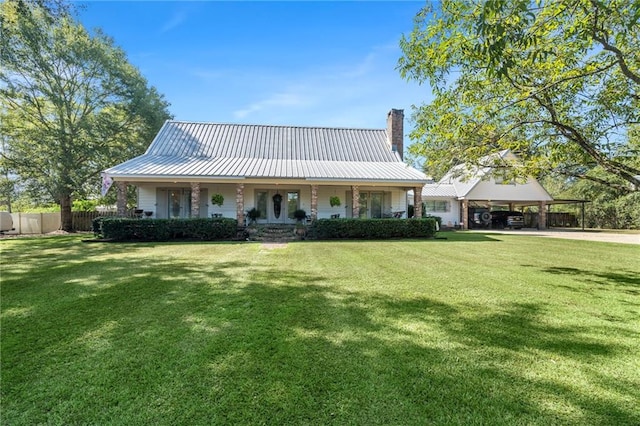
[(183, 149), (434, 190)]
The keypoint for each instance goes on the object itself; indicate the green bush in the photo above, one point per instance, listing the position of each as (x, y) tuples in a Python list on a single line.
[(436, 218), (325, 229), (126, 229)]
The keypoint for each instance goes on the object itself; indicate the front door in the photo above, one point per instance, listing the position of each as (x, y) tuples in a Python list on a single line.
[(277, 206), (293, 204), (179, 203)]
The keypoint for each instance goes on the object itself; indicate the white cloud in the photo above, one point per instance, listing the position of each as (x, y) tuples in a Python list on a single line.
[(176, 20), (276, 100)]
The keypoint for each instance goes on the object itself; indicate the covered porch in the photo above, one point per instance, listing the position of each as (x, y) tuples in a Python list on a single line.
[(275, 202)]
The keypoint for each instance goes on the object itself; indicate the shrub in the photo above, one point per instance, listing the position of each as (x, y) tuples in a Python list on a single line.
[(324, 229), (124, 229), (300, 215), (436, 218), (253, 214), (84, 205)]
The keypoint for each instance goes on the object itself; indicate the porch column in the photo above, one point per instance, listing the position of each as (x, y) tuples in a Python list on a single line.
[(417, 202), (464, 211), (121, 200), (355, 201), (511, 206), (195, 199), (542, 215), (240, 204), (314, 202)]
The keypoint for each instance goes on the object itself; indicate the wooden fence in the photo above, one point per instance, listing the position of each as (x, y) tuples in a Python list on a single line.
[(554, 220)]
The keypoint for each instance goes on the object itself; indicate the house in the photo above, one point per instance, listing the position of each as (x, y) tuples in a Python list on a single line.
[(274, 169), (464, 192)]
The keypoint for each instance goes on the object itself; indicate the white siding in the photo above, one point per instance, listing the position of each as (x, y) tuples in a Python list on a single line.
[(228, 208), (450, 218), (147, 198), (490, 190)]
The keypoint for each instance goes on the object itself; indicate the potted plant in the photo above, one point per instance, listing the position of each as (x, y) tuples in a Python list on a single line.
[(217, 200), (300, 215), (334, 200), (253, 215)]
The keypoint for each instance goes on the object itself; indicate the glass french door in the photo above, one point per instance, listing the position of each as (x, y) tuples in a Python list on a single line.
[(371, 205), (179, 203), (265, 205), (376, 205), (262, 204), (293, 203)]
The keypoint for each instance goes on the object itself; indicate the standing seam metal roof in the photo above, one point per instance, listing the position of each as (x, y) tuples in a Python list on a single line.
[(185, 139), (235, 150)]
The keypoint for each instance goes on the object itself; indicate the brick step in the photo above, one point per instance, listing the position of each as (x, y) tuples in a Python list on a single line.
[(273, 233)]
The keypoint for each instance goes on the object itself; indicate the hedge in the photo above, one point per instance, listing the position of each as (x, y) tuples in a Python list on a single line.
[(325, 229), (126, 229)]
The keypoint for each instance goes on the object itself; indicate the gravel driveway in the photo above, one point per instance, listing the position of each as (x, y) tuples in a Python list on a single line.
[(607, 237)]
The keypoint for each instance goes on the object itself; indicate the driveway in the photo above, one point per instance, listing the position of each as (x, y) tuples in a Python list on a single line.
[(603, 236)]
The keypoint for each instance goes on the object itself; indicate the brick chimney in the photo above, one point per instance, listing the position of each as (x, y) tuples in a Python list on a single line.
[(395, 131)]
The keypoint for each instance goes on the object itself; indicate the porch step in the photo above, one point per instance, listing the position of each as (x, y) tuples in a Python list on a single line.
[(273, 233)]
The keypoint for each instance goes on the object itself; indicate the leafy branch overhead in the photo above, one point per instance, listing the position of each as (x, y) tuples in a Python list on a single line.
[(555, 81)]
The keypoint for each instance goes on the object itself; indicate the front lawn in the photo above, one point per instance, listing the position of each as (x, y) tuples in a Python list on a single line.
[(476, 329)]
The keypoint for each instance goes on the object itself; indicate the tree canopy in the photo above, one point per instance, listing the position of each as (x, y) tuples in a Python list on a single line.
[(71, 104), (555, 81)]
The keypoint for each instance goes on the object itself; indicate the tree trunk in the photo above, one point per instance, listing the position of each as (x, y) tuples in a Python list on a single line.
[(66, 222)]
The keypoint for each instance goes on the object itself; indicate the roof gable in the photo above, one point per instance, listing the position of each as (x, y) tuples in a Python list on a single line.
[(474, 182)]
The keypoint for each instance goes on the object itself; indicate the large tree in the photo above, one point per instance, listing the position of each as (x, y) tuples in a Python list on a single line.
[(71, 104), (555, 81)]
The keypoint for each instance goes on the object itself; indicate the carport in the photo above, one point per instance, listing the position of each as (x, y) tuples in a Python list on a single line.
[(466, 189), (469, 207)]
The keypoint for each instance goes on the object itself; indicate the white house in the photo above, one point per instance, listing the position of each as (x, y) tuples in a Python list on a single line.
[(275, 169), (455, 197)]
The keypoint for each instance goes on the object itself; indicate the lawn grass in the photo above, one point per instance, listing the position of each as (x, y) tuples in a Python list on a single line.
[(475, 329)]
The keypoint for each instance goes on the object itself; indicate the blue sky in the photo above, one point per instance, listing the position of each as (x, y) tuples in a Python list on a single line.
[(292, 63)]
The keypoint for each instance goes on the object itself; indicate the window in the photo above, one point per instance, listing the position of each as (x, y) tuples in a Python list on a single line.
[(372, 204), (437, 206), (292, 203), (261, 203), (179, 203)]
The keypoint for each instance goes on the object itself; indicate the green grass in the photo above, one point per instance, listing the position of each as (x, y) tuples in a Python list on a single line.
[(482, 329)]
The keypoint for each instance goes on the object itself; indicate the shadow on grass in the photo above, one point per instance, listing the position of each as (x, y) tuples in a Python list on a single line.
[(441, 237), (623, 280), (245, 342)]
